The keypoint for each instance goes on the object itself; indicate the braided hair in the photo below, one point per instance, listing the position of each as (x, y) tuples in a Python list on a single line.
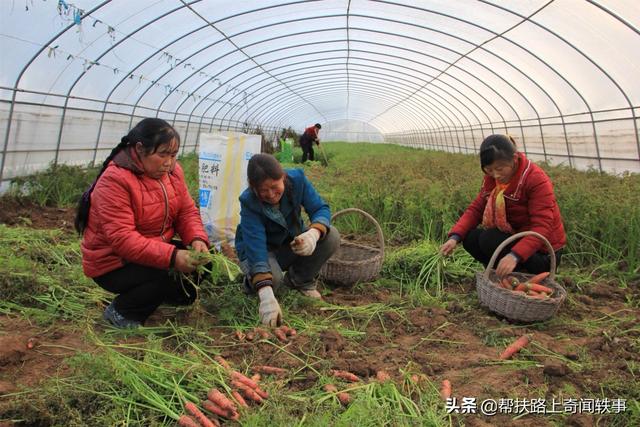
[(151, 133)]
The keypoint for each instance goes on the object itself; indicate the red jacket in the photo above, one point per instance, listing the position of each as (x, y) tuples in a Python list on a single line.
[(311, 132), (530, 204), (133, 217)]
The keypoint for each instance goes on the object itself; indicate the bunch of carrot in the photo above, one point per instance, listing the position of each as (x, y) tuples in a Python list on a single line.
[(342, 396), (531, 288), (282, 333)]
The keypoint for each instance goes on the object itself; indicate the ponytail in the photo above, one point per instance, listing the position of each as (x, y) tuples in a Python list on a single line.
[(84, 204)]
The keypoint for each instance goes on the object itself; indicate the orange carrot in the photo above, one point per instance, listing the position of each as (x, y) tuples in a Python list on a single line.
[(222, 412), (347, 376), (344, 398), (250, 336), (240, 336), (263, 394), (280, 334), (264, 369), (263, 334), (256, 378), (235, 375), (538, 288), (247, 391), (197, 413), (520, 287), (187, 421), (220, 399), (31, 342), (382, 376), (513, 281), (541, 296), (330, 388), (514, 347), (239, 399), (290, 332), (222, 362), (504, 283), (445, 391), (539, 277)]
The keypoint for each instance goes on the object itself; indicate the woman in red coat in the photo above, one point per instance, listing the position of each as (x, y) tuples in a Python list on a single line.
[(128, 218), (516, 195)]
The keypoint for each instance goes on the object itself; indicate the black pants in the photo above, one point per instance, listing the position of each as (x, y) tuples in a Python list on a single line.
[(307, 150), (481, 244), (142, 289)]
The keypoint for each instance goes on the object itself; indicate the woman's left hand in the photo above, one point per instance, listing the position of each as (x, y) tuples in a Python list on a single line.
[(199, 246), (506, 265)]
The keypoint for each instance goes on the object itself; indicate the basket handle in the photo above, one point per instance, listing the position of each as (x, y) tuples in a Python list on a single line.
[(517, 236), (367, 216)]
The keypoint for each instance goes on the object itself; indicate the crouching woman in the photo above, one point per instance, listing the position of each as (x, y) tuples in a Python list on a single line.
[(128, 219), (272, 239)]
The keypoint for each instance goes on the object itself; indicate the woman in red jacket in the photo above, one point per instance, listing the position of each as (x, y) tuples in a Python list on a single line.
[(128, 218), (516, 195)]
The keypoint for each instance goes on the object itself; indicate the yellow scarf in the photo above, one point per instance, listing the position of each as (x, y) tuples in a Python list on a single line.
[(495, 212)]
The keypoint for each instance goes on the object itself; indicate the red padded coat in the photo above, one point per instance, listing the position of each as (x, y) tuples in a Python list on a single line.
[(531, 206), (133, 217)]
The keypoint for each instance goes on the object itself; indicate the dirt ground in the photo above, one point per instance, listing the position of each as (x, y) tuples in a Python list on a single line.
[(440, 343)]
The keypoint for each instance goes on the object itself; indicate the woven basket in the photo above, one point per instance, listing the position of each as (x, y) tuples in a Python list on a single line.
[(515, 305), (353, 262)]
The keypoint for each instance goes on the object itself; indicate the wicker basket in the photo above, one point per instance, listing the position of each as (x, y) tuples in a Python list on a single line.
[(515, 305), (354, 262)]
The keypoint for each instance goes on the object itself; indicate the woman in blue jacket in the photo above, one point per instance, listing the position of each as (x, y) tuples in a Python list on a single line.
[(272, 238)]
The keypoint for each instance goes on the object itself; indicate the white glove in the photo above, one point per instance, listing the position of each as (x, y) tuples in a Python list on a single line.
[(270, 313), (304, 244)]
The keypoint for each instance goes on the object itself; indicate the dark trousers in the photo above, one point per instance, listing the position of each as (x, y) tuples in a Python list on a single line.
[(307, 151), (141, 289), (481, 244)]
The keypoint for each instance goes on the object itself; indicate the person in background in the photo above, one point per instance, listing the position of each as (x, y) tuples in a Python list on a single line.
[(272, 238), (516, 195), (128, 218), (307, 139)]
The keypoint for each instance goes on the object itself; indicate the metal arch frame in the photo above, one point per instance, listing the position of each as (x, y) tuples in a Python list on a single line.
[(480, 109), (15, 86), (356, 83), (602, 70), (392, 78), (447, 119), (591, 112), (535, 56)]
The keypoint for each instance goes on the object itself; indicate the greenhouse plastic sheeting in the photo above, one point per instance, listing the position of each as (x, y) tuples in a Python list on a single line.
[(560, 76)]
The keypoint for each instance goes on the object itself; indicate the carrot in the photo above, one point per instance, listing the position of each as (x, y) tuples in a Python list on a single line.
[(344, 398), (290, 332), (197, 413), (235, 375), (513, 281), (222, 412), (220, 399), (31, 342), (521, 287), (256, 378), (541, 296), (240, 336), (264, 369), (382, 376), (187, 421), (514, 347), (247, 391), (538, 288), (539, 277), (239, 399), (280, 334), (222, 362), (504, 283), (330, 388), (250, 336), (445, 391), (344, 375), (263, 334)]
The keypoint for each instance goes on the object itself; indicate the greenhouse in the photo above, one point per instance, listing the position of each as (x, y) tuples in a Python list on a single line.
[(319, 212)]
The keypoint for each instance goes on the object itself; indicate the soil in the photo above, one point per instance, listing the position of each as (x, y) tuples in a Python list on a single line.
[(453, 343), (25, 213)]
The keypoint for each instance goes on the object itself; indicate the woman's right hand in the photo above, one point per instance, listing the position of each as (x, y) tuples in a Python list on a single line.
[(448, 246), (185, 263)]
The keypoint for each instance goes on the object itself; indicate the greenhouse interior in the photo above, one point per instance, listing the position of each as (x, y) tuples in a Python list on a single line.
[(320, 213)]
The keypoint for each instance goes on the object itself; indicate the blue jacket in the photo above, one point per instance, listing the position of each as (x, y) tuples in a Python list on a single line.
[(264, 228)]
